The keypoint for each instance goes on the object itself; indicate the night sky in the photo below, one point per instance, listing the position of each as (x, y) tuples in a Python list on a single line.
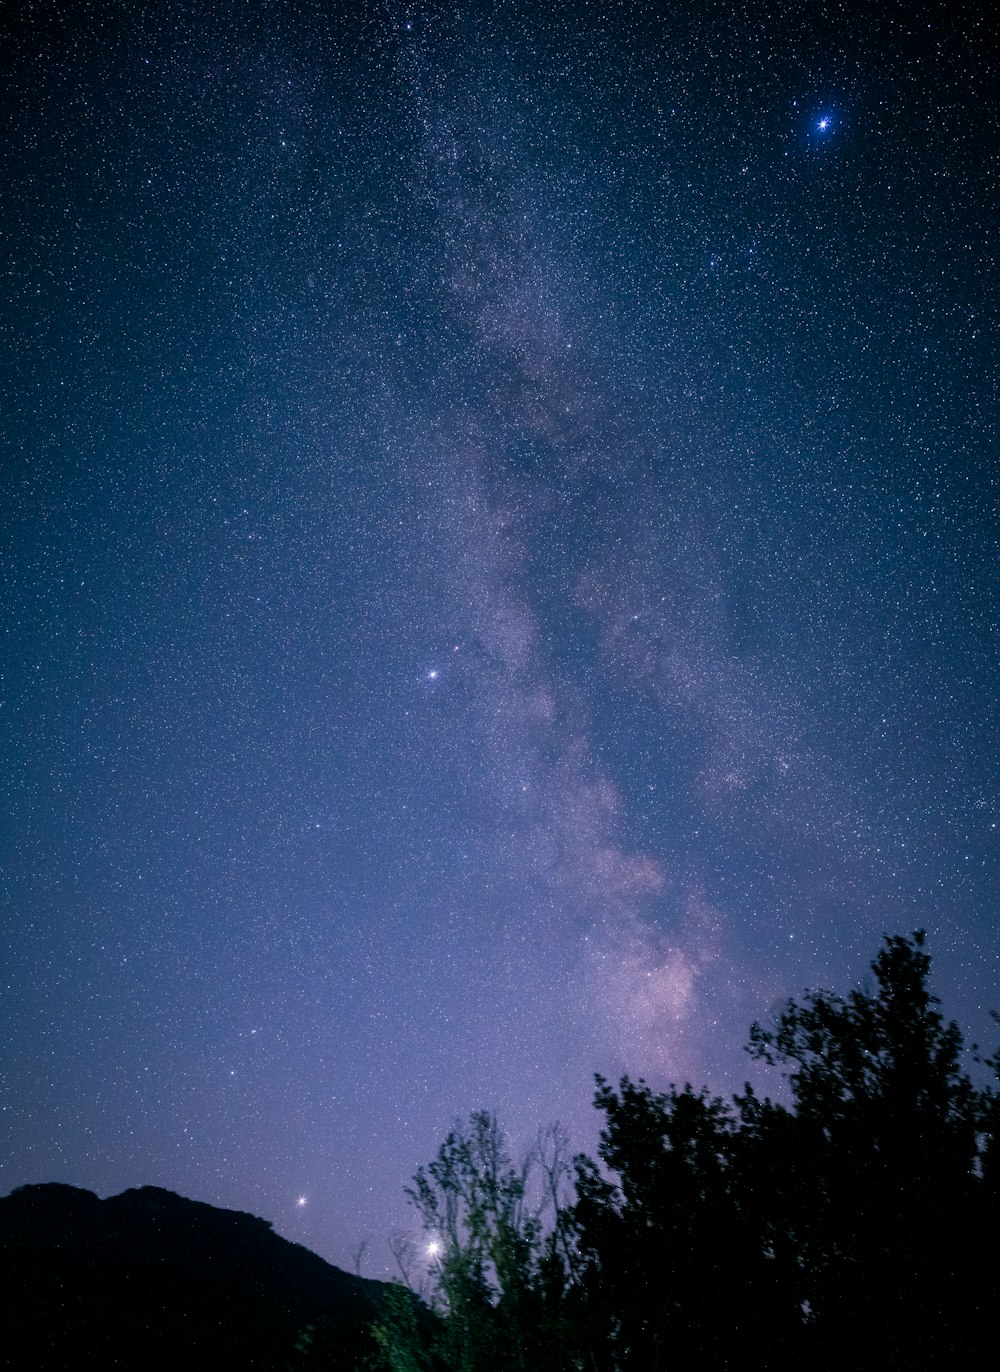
[(499, 572)]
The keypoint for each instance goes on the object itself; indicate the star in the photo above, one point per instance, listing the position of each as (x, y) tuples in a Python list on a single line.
[(300, 1202), (823, 124)]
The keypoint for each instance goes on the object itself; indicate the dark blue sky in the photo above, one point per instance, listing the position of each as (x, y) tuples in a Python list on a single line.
[(499, 565)]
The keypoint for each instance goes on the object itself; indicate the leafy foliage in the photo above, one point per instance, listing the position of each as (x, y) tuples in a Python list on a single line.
[(853, 1225), (498, 1273), (882, 1156)]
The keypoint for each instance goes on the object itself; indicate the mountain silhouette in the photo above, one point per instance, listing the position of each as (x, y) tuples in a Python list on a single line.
[(149, 1280)]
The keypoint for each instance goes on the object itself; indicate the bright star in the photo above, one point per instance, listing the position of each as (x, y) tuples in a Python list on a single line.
[(300, 1202), (823, 125), (433, 674), (434, 1247)]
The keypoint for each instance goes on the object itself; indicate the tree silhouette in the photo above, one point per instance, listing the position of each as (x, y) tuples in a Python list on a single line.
[(881, 1154), (669, 1243), (497, 1271), (850, 1225), (853, 1225)]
